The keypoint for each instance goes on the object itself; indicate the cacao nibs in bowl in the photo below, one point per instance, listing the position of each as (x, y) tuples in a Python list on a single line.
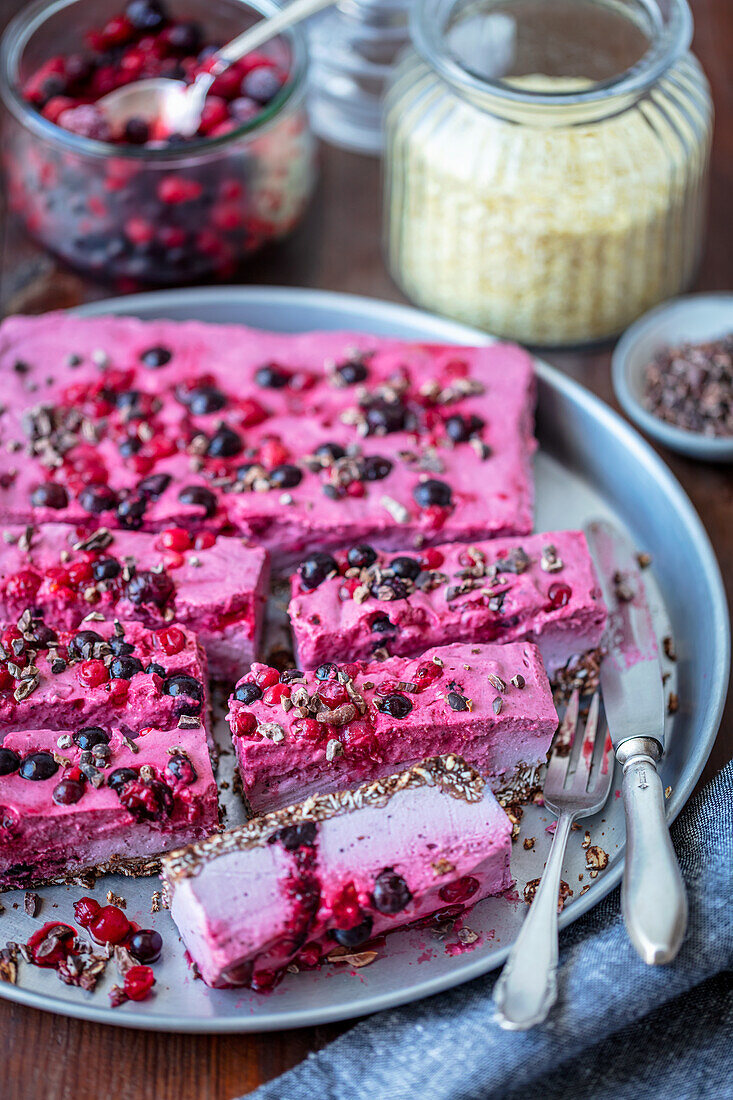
[(691, 386)]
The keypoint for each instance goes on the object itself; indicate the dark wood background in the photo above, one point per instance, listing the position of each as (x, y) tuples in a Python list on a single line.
[(47, 1057)]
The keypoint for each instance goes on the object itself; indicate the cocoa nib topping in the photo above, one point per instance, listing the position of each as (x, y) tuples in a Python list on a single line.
[(516, 561), (457, 701), (397, 579), (550, 562), (691, 386)]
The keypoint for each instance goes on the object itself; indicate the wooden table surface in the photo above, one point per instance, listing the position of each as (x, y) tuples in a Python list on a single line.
[(48, 1057)]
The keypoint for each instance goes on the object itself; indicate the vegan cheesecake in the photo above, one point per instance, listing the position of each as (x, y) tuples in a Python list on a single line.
[(100, 673), (104, 749), (94, 799), (330, 874), (541, 588), (298, 732), (211, 584), (293, 442)]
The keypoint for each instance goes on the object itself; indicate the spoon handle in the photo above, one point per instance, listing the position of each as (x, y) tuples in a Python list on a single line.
[(263, 31)]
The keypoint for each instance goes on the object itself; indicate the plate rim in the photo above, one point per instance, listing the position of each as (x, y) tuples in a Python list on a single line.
[(451, 332)]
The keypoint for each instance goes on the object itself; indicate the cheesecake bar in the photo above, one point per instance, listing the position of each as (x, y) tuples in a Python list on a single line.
[(109, 674), (330, 874), (298, 442), (214, 585), (296, 733), (541, 588), (92, 799)]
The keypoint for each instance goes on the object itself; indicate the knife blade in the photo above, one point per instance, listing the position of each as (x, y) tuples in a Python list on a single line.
[(653, 897), (631, 674)]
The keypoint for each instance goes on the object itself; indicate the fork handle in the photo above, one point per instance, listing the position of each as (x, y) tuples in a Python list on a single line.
[(653, 897), (527, 987)]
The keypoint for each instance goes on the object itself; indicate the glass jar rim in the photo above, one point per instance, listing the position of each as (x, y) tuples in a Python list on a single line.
[(670, 40), (29, 20)]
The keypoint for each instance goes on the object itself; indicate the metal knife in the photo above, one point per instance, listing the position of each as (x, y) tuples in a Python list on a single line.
[(653, 898)]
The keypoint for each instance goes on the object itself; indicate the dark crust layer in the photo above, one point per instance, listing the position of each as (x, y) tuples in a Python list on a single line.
[(135, 867), (450, 773)]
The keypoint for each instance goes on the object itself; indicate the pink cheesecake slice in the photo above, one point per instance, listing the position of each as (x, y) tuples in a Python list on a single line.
[(296, 442), (296, 733), (540, 588), (110, 674), (214, 585), (84, 802), (330, 874)]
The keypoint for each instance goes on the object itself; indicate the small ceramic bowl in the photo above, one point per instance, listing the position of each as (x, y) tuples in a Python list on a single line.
[(695, 318)]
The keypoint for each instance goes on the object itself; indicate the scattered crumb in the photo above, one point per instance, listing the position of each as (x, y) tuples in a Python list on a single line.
[(667, 792), (644, 560), (361, 958), (529, 843), (564, 893), (115, 899), (31, 903), (123, 959), (673, 703), (596, 859), (8, 966), (442, 866), (585, 842), (669, 648), (155, 902)]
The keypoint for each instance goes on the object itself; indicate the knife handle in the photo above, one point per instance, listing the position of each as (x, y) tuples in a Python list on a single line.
[(653, 897)]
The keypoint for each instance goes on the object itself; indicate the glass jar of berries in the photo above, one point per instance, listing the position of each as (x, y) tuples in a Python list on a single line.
[(141, 205)]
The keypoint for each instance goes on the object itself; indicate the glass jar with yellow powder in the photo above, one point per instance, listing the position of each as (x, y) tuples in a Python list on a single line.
[(546, 163)]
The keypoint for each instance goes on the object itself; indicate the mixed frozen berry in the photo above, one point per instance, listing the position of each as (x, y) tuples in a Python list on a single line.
[(142, 42), (149, 212), (58, 946)]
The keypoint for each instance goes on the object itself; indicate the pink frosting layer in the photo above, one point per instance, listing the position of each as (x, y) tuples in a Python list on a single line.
[(81, 372), (41, 839), (245, 910), (84, 690), (447, 703), (219, 591), (505, 590)]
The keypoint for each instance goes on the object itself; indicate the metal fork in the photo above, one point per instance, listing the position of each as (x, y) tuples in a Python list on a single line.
[(578, 780)]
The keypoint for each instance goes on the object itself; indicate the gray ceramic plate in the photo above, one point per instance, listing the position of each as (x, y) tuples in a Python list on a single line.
[(590, 463)]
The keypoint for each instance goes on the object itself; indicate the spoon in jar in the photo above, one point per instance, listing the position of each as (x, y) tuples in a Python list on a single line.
[(178, 106)]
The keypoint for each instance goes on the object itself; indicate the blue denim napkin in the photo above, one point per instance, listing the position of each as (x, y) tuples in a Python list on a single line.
[(621, 1029)]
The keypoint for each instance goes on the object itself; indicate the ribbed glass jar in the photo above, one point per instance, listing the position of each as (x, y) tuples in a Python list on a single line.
[(552, 207)]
